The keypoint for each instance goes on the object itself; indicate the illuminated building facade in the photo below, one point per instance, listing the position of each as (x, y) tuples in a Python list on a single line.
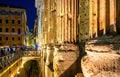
[(38, 37), (13, 26), (66, 27)]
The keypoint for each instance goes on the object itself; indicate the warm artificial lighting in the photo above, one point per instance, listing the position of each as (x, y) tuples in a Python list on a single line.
[(69, 15), (45, 19), (22, 66), (61, 14), (49, 29), (18, 72), (11, 76)]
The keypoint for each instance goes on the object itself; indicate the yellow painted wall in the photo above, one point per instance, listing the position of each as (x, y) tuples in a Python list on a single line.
[(15, 25)]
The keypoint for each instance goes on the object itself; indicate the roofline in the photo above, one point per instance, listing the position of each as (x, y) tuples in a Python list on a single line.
[(11, 6)]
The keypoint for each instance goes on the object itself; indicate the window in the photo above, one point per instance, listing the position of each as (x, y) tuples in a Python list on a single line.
[(18, 13), (0, 11), (6, 29), (7, 21), (6, 38), (13, 30), (3, 12), (0, 20), (0, 29), (13, 38), (12, 13), (19, 31), (18, 21), (15, 13), (13, 21), (0, 38), (18, 38)]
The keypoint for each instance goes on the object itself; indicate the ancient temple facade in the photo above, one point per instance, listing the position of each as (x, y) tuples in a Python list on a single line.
[(67, 25), (59, 37)]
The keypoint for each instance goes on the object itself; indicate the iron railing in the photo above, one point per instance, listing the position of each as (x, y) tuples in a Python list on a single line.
[(6, 61)]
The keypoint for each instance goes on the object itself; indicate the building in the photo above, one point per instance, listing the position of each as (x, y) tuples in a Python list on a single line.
[(59, 37), (67, 25), (38, 21), (35, 33), (27, 37), (13, 26)]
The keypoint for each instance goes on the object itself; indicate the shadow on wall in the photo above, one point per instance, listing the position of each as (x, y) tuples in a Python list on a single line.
[(82, 52), (112, 29), (51, 67), (72, 70), (109, 40), (75, 68), (110, 32)]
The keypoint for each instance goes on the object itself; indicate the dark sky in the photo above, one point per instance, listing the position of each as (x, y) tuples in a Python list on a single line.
[(29, 5)]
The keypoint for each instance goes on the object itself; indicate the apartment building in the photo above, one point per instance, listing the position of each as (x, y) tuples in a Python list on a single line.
[(13, 26)]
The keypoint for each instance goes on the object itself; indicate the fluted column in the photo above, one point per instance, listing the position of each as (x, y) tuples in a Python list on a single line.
[(93, 18), (74, 21), (59, 16), (66, 21), (118, 16), (102, 16), (112, 16)]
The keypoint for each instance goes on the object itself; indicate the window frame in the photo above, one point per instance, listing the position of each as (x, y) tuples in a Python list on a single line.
[(6, 38), (13, 38), (13, 29), (6, 30), (7, 21), (0, 29)]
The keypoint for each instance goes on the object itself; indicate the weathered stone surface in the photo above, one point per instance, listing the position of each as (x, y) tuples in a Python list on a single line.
[(65, 61), (49, 53), (106, 44), (83, 20), (103, 57), (69, 47), (79, 75)]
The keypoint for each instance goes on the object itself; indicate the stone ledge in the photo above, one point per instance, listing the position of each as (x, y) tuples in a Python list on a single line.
[(105, 44), (68, 47)]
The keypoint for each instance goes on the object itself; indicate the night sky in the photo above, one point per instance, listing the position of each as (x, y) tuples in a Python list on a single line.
[(29, 5)]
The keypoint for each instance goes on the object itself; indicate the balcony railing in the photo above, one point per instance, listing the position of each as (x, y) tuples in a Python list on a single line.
[(7, 60)]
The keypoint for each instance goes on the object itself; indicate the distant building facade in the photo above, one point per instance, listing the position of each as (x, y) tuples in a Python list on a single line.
[(35, 33), (38, 27), (13, 26)]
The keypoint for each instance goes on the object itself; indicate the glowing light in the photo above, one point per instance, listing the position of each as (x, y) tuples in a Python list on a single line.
[(22, 66), (61, 14), (11, 76), (45, 19), (18, 72), (23, 62)]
